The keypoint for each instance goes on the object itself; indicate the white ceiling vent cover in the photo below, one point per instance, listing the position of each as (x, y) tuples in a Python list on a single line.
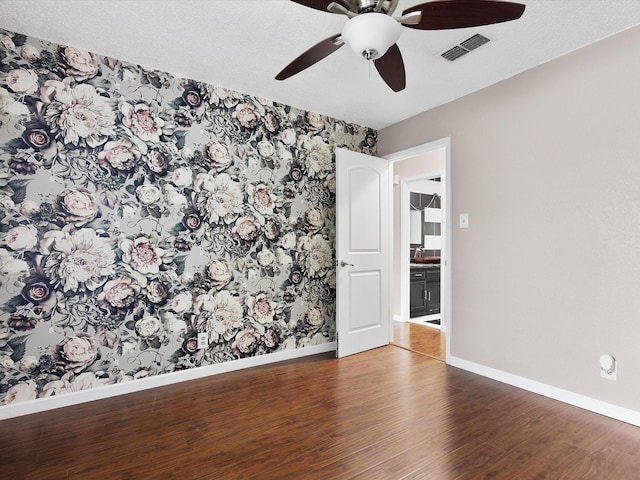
[(465, 47)]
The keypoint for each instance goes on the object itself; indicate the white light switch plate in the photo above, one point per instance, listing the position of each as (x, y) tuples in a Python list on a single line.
[(464, 220)]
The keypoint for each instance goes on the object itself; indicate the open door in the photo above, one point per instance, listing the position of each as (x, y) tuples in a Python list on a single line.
[(363, 252)]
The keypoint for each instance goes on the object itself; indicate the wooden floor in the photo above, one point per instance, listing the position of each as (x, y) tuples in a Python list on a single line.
[(384, 414), (420, 339)]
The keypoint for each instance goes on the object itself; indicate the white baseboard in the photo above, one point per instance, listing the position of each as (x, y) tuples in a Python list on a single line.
[(50, 403), (397, 318), (603, 408)]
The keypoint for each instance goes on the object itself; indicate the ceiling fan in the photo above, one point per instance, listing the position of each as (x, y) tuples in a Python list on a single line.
[(372, 32)]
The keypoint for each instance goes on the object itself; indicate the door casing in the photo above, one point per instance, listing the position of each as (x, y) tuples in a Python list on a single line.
[(446, 291)]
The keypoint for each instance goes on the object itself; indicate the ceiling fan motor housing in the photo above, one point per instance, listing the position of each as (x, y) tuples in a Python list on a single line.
[(371, 34), (366, 6)]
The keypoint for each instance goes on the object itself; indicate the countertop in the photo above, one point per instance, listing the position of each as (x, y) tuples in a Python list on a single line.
[(422, 266)]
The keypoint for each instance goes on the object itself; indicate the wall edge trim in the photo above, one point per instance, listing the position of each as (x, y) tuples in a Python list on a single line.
[(577, 400), (75, 398)]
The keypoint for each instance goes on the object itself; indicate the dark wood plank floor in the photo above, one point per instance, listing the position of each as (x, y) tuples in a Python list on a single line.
[(420, 339), (384, 414)]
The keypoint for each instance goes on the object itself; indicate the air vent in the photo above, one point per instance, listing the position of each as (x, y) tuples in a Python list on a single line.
[(474, 42), (465, 47), (455, 52)]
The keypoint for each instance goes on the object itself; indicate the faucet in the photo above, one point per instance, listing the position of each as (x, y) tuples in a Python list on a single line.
[(417, 251)]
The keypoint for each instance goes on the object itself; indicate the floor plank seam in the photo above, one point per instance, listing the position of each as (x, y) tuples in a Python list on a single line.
[(416, 351)]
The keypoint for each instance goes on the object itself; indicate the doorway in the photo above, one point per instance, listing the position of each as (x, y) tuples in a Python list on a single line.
[(425, 243), (416, 164)]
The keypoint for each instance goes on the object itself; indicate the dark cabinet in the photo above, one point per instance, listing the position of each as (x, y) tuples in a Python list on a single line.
[(433, 297), (424, 291), (418, 294)]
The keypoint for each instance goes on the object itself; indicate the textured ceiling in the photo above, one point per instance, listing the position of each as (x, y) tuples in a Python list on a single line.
[(242, 44)]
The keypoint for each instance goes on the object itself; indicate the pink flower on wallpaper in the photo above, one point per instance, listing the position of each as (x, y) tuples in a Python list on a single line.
[(261, 308), (142, 122), (22, 81), (77, 63), (76, 353), (76, 205), (218, 155), (262, 199), (246, 116), (119, 294), (119, 156), (245, 342), (142, 255)]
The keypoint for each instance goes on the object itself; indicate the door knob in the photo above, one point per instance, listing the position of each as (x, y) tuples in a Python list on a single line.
[(345, 264)]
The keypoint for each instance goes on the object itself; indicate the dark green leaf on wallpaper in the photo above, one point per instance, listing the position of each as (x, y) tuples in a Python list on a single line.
[(176, 229), (12, 146), (180, 138), (176, 103), (11, 305), (177, 355), (19, 190), (180, 262), (19, 39), (18, 346)]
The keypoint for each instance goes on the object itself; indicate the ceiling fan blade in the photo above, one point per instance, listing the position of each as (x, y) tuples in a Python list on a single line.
[(390, 66), (445, 14), (313, 55), (323, 5)]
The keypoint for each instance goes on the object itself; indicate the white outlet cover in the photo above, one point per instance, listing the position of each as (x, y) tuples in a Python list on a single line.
[(608, 367), (464, 220)]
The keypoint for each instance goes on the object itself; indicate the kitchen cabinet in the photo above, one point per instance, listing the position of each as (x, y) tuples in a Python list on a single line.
[(424, 291)]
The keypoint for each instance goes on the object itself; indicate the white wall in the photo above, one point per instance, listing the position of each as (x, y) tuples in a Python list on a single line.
[(547, 164)]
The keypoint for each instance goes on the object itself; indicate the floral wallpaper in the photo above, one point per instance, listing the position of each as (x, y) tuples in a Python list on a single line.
[(138, 209)]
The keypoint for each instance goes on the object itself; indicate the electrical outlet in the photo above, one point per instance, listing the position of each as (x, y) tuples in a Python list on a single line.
[(203, 340), (608, 367)]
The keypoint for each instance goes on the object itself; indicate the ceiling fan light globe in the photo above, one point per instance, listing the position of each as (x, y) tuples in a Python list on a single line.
[(371, 32)]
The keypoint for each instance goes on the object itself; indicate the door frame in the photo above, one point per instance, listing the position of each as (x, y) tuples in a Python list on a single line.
[(446, 316)]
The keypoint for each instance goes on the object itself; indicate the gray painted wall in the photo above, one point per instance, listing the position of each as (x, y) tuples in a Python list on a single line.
[(547, 164)]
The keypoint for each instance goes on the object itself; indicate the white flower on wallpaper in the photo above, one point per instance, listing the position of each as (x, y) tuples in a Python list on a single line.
[(77, 115), (219, 198), (78, 261), (138, 210)]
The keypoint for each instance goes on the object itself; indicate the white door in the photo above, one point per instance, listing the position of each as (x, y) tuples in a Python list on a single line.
[(363, 252)]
